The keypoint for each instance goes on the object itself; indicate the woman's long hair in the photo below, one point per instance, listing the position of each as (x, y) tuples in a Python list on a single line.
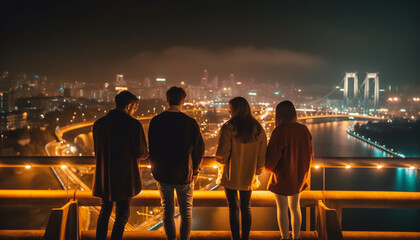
[(285, 113), (246, 127)]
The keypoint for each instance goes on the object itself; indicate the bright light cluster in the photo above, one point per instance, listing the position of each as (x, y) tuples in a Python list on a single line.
[(394, 99)]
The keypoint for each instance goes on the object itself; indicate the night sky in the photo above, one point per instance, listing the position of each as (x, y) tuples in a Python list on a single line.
[(306, 42)]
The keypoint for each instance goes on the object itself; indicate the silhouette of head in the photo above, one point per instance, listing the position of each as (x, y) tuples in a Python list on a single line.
[(245, 125), (126, 101), (285, 113), (175, 95), (239, 107)]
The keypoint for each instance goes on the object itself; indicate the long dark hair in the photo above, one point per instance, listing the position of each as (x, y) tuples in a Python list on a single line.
[(285, 113), (246, 127)]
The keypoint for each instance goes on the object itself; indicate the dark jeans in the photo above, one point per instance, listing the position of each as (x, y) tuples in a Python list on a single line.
[(121, 218), (184, 194), (245, 206)]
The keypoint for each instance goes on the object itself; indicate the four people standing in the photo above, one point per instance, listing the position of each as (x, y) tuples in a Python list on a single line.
[(176, 151), (241, 151)]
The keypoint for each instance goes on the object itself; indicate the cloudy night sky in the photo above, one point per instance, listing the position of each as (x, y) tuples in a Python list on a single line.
[(306, 42)]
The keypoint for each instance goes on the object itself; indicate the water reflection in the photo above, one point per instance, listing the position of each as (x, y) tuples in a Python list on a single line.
[(331, 139)]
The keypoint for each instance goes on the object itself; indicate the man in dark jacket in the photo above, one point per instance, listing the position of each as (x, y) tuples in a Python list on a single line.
[(176, 151), (119, 143)]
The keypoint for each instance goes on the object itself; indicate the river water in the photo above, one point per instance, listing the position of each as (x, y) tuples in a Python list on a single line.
[(331, 140)]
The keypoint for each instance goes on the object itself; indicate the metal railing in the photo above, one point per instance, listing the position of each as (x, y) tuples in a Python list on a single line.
[(209, 161), (333, 200), (325, 218)]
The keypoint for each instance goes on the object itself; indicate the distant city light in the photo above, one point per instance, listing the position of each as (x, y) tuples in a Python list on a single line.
[(160, 79), (276, 93), (252, 94)]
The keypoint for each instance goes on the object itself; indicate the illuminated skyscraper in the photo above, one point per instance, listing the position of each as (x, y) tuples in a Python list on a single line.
[(204, 79), (120, 83)]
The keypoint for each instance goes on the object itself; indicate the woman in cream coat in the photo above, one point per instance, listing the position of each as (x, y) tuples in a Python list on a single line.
[(241, 151)]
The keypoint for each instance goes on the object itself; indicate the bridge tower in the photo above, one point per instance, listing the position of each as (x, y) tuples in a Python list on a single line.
[(348, 76), (367, 96)]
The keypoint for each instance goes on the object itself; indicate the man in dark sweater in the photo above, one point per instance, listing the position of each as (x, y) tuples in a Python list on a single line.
[(119, 143), (176, 150)]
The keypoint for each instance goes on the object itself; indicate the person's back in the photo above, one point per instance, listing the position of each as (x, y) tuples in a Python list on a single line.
[(242, 159), (289, 156), (117, 145), (119, 142), (175, 147), (293, 141), (176, 151), (241, 151)]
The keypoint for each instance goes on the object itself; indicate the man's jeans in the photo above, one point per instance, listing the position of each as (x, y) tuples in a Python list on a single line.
[(185, 200), (121, 218)]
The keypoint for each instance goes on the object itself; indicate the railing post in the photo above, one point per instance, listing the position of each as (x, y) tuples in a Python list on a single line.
[(327, 224), (63, 223), (308, 219)]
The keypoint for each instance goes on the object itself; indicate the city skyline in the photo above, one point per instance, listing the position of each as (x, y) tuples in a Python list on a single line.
[(303, 43)]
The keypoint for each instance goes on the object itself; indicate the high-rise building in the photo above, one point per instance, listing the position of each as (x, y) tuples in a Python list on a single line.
[(204, 80), (120, 83)]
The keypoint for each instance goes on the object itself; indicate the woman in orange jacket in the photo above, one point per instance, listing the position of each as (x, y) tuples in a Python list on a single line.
[(289, 156)]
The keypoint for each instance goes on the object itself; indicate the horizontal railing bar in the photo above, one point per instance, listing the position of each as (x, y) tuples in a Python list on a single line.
[(201, 235), (333, 199), (257, 235), (327, 162), (360, 235)]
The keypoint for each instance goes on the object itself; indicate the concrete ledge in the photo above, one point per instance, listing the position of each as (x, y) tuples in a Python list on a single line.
[(362, 235), (333, 199), (216, 235), (22, 234), (199, 235)]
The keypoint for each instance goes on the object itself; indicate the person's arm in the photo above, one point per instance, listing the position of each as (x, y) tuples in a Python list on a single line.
[(95, 141), (274, 151), (225, 145), (198, 150), (262, 149), (311, 150), (144, 152)]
